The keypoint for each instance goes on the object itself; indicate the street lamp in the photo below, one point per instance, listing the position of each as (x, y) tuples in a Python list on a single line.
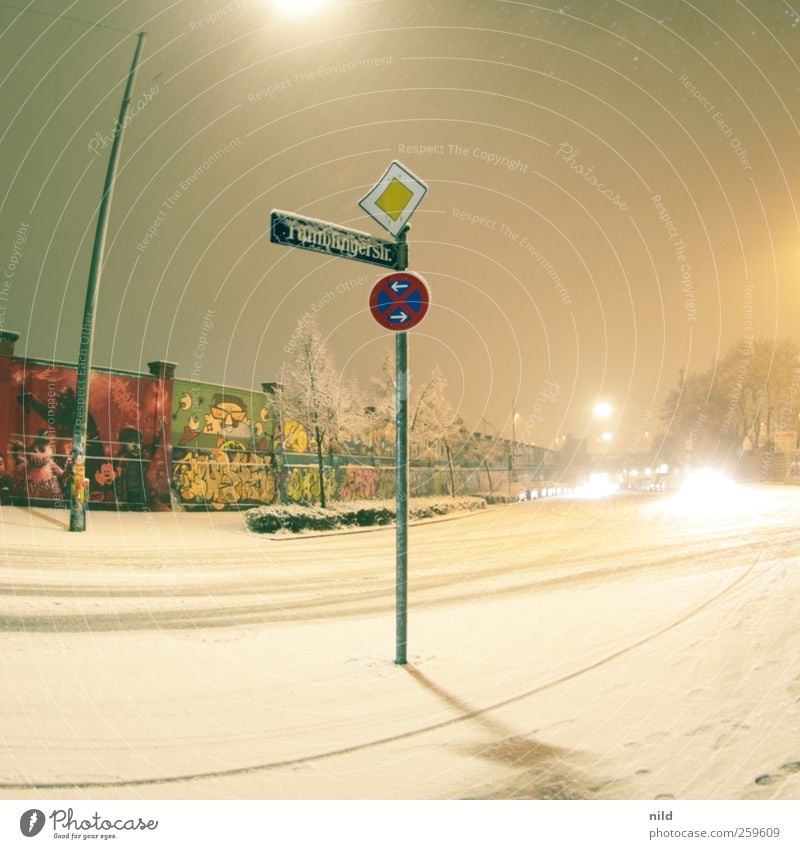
[(514, 416), (299, 8), (77, 490), (602, 409)]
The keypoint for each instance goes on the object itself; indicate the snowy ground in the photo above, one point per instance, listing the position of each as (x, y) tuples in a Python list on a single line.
[(637, 647)]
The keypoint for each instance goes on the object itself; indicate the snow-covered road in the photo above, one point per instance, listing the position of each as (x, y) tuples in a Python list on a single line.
[(634, 647)]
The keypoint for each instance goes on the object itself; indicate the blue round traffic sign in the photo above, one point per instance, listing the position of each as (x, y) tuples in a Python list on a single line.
[(399, 301)]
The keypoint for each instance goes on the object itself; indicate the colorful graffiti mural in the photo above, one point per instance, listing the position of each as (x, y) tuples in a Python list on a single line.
[(221, 479), (158, 443), (207, 416), (302, 484), (124, 428), (357, 482), (223, 446)]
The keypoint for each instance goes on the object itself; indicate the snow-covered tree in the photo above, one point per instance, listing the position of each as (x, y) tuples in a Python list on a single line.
[(432, 425), (433, 429), (740, 402), (314, 393)]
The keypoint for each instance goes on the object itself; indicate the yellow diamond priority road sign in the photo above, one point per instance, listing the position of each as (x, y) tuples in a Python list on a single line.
[(394, 198)]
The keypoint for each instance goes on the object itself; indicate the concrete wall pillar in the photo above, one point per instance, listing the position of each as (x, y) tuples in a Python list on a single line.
[(8, 403), (164, 373)]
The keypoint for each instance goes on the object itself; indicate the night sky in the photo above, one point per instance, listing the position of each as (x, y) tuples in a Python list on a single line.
[(612, 189)]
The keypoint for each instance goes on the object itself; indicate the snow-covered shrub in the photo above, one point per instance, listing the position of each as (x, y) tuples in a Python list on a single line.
[(290, 517), (293, 517)]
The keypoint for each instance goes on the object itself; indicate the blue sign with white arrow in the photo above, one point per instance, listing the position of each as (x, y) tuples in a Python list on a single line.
[(399, 301)]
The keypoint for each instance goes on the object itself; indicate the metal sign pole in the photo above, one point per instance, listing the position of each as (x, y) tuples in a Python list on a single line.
[(401, 365), (401, 435), (397, 302)]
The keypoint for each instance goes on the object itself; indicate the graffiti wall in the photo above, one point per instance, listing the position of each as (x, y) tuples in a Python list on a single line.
[(127, 437), (357, 482), (158, 443), (302, 484), (223, 446), (206, 416), (220, 479)]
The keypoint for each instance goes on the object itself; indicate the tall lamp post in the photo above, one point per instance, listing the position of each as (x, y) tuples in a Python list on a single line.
[(512, 460), (77, 492), (602, 410), (513, 435)]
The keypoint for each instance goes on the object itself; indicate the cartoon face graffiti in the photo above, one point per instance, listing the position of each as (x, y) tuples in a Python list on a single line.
[(227, 418), (106, 474)]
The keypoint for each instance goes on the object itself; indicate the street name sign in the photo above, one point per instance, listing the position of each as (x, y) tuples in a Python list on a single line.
[(286, 228), (399, 301)]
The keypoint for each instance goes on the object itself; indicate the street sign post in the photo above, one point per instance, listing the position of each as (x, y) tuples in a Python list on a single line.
[(399, 302), (401, 496), (289, 229)]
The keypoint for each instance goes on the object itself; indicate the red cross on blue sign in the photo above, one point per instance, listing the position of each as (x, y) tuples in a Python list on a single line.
[(399, 301)]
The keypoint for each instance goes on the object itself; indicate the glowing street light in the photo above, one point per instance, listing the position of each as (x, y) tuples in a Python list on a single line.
[(602, 409), (607, 436), (299, 8)]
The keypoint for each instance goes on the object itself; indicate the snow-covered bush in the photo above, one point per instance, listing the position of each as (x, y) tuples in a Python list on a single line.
[(293, 517), (290, 517)]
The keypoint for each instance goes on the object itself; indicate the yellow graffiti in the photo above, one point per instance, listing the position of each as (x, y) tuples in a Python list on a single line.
[(295, 438), (303, 484), (220, 481)]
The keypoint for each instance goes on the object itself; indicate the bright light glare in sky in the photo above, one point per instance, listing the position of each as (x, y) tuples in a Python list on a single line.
[(602, 409), (299, 8)]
